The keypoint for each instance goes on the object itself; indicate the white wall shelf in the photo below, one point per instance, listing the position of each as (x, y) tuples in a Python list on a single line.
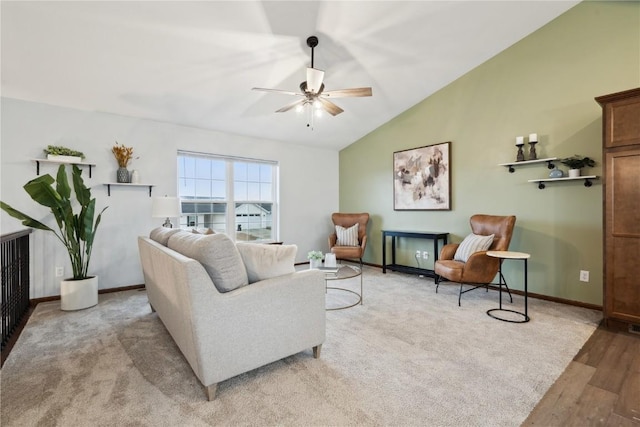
[(549, 161), (38, 161), (126, 184), (587, 180)]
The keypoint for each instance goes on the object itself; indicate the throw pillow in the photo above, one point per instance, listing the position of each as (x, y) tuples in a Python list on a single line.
[(217, 254), (162, 234), (471, 244), (266, 261), (347, 236)]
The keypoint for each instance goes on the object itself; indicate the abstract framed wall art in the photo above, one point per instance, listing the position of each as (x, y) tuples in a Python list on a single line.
[(422, 178)]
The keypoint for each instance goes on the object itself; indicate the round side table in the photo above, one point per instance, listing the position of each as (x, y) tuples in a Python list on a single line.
[(502, 255)]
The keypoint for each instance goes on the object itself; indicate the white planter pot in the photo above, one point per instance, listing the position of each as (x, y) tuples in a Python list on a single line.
[(574, 173), (315, 263), (64, 159), (78, 294)]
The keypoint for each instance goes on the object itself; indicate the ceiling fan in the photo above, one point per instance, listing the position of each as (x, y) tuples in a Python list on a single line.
[(312, 90)]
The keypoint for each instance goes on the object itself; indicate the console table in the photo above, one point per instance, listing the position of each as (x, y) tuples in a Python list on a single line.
[(428, 235)]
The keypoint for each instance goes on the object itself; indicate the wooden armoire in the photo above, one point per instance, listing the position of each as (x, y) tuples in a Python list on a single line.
[(621, 198)]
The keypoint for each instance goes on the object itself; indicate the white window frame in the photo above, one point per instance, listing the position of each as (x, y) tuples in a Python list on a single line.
[(230, 201)]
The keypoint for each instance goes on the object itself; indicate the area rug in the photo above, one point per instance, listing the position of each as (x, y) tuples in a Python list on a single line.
[(406, 356)]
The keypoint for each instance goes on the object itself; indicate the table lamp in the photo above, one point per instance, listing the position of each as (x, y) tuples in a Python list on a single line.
[(165, 207)]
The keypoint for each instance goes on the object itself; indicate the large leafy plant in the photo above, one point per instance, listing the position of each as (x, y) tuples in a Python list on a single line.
[(75, 230)]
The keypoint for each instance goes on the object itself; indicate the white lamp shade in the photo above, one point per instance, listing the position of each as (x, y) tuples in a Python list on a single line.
[(165, 207)]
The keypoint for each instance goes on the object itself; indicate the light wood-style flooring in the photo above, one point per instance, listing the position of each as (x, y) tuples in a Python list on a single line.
[(600, 387)]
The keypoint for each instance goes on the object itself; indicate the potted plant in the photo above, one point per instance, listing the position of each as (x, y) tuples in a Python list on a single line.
[(76, 231), (576, 163), (315, 259), (123, 156), (63, 154)]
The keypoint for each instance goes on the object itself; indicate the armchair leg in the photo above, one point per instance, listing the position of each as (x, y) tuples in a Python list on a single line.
[(460, 295), (211, 392), (316, 351), (437, 280)]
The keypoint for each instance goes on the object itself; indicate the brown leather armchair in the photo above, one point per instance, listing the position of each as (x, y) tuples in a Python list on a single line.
[(347, 220), (480, 269)]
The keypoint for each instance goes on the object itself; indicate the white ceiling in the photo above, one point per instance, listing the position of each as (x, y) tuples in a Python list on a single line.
[(194, 63)]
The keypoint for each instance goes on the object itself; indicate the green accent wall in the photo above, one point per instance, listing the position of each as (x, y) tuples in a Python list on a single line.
[(544, 84)]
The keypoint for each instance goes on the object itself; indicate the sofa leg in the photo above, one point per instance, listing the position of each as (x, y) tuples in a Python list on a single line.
[(211, 392), (316, 351)]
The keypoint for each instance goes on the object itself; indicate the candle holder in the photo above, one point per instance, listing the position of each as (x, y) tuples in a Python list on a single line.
[(520, 155), (532, 150)]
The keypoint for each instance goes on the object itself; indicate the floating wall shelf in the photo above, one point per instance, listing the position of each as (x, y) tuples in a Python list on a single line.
[(38, 161), (587, 180), (548, 160), (126, 184)]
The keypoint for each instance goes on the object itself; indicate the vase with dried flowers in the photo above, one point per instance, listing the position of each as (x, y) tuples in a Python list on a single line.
[(123, 156)]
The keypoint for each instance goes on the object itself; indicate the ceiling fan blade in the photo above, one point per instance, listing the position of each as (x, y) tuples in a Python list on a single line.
[(291, 105), (330, 107), (344, 93), (314, 79), (283, 92)]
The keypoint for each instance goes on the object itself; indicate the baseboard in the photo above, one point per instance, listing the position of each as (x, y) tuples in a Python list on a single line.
[(36, 301), (534, 295)]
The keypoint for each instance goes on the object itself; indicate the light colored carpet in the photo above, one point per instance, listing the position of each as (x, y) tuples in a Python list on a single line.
[(408, 356)]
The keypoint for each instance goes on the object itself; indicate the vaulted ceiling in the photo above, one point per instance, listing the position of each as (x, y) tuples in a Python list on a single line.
[(194, 63)]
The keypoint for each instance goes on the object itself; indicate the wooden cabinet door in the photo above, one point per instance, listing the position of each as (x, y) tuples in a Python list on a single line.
[(622, 235), (622, 119)]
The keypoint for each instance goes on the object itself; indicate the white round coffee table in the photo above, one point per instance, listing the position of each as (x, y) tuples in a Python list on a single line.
[(345, 272)]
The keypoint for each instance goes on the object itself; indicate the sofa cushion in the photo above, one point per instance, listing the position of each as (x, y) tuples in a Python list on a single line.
[(347, 236), (471, 244), (217, 254), (162, 234), (202, 231), (266, 261)]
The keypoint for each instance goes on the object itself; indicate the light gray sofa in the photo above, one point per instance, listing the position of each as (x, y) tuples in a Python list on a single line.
[(226, 333)]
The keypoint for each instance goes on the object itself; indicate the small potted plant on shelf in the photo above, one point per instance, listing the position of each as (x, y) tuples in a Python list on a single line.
[(63, 154), (76, 231), (123, 156), (576, 163), (315, 259)]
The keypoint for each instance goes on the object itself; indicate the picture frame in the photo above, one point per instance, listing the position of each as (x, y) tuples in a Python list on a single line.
[(422, 178)]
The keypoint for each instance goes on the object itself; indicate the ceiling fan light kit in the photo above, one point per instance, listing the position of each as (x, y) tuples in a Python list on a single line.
[(313, 94)]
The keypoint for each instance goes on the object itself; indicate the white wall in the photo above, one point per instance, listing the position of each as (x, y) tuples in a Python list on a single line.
[(308, 183)]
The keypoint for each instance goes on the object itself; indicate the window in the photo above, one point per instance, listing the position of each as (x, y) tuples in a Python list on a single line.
[(230, 195)]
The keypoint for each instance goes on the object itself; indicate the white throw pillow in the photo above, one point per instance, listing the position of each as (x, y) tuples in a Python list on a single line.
[(264, 261), (217, 254), (471, 244), (347, 236), (162, 234)]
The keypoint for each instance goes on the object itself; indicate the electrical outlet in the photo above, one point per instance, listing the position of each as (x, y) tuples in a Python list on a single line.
[(425, 254), (417, 254), (59, 271), (584, 276)]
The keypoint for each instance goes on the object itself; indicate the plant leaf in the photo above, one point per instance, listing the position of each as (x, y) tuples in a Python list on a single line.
[(26, 219), (83, 194)]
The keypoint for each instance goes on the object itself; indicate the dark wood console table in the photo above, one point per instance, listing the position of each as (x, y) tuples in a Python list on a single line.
[(428, 235)]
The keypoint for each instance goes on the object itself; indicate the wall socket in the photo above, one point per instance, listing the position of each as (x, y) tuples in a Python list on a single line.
[(59, 271), (584, 276), (425, 255)]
